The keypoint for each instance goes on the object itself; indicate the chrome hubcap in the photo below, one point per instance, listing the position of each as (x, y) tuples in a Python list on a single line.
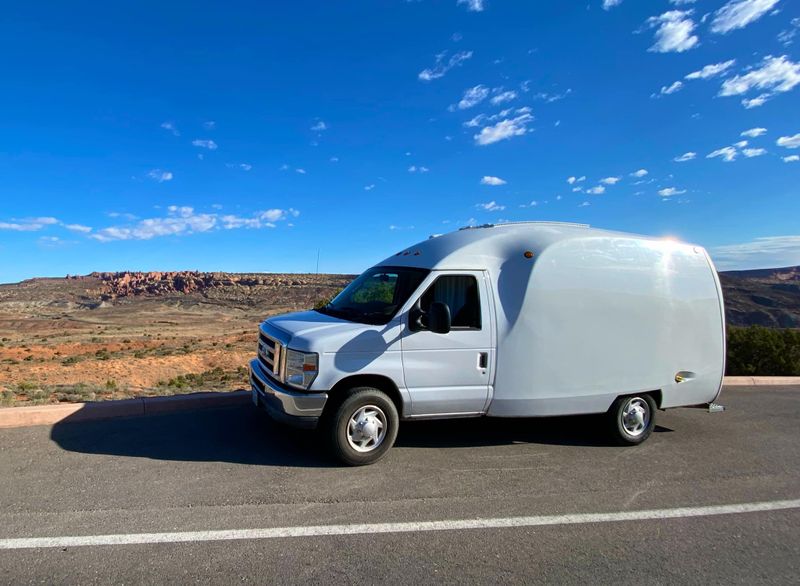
[(635, 416), (366, 429)]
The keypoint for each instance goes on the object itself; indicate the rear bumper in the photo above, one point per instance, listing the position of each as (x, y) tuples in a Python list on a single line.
[(297, 409)]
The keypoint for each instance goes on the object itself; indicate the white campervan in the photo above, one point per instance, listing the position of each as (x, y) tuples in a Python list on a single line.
[(513, 320)]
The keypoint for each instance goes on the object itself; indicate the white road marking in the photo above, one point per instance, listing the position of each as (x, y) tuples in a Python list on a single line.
[(413, 527)]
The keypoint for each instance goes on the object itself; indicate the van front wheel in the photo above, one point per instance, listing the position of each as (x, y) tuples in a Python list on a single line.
[(363, 427), (632, 418)]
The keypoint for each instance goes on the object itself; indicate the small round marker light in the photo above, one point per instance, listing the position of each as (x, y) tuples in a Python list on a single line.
[(528, 254)]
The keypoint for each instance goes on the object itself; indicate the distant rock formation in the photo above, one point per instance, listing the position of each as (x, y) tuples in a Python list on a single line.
[(764, 297), (158, 283)]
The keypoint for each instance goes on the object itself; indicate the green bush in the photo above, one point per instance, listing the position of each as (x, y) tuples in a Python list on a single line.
[(759, 351)]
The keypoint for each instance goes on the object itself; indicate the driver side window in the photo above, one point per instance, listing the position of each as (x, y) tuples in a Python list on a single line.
[(460, 294)]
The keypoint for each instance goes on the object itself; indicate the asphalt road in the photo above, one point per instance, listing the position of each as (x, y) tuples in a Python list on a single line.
[(234, 469)]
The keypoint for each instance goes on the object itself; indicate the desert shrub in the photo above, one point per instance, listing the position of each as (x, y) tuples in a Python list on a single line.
[(70, 360), (216, 378), (6, 398), (27, 385), (102, 354), (759, 351), (323, 302)]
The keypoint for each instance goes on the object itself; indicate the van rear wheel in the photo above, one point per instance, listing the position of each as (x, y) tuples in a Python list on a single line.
[(363, 427), (632, 418)]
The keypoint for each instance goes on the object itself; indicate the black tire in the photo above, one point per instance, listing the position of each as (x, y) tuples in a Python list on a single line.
[(637, 428), (344, 442)]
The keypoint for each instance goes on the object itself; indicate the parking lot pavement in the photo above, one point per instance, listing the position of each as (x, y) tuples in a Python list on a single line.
[(233, 469)]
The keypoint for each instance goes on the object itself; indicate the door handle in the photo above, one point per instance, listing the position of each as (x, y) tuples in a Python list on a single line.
[(483, 359)]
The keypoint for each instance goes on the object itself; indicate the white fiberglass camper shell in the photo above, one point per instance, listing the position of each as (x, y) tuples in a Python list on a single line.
[(513, 320)]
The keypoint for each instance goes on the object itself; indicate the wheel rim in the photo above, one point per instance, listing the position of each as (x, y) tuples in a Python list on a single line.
[(366, 429), (635, 416)]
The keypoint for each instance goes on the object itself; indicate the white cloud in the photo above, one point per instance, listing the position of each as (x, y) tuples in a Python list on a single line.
[(738, 14), (609, 4), (755, 102), (740, 145), (775, 74), (786, 37), (171, 127), (504, 97), (28, 224), (681, 2), (585, 204), (750, 153), (504, 129), (685, 157), (473, 96), (711, 70), (442, 66), (334, 159), (491, 206), (769, 251), (596, 190), (205, 144), (789, 142), (671, 89), (475, 121), (610, 180), (369, 187), (673, 31), (640, 173), (184, 220), (472, 5), (160, 175), (245, 166), (319, 126), (78, 228), (754, 132), (670, 191), (550, 98), (209, 125), (491, 180), (418, 169), (300, 170), (727, 154), (572, 180), (791, 159), (124, 215)]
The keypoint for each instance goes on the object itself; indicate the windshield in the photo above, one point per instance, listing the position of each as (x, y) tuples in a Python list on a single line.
[(376, 295)]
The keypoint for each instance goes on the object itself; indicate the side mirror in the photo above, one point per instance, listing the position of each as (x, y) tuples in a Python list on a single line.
[(439, 318)]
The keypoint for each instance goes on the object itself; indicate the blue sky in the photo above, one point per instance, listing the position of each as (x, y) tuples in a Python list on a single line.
[(245, 136)]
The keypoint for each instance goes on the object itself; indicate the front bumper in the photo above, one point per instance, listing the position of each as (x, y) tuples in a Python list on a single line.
[(294, 408)]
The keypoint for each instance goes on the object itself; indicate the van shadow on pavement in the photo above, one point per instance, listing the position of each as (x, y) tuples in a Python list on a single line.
[(244, 435)]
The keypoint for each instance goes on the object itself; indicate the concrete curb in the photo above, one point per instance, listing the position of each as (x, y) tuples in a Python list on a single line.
[(75, 412), (51, 414), (757, 381)]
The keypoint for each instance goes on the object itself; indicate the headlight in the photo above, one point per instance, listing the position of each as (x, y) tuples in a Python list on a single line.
[(301, 368)]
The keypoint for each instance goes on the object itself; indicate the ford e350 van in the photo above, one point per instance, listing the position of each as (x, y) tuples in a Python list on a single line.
[(514, 320)]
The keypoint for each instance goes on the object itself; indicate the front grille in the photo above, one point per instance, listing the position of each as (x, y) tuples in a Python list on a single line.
[(271, 356)]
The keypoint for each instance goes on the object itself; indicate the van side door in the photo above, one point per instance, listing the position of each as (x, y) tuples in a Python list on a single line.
[(450, 373)]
